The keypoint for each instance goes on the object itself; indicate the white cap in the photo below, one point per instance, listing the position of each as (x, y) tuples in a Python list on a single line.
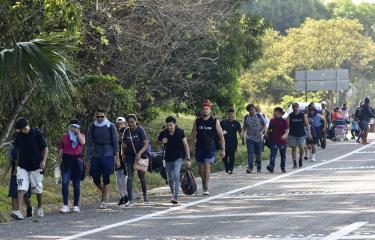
[(323, 103), (120, 120)]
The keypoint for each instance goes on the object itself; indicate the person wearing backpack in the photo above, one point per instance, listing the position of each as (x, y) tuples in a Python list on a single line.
[(175, 148), (205, 129), (356, 118), (230, 128), (318, 126), (297, 124), (253, 127), (72, 167), (103, 152), (278, 130), (135, 147), (366, 113), (121, 171)]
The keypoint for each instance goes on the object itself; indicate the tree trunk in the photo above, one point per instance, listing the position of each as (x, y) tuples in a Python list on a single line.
[(13, 116)]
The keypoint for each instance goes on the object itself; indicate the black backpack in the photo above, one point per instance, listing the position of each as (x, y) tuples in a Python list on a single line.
[(188, 184)]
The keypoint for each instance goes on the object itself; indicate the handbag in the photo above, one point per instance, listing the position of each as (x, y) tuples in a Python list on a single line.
[(142, 163)]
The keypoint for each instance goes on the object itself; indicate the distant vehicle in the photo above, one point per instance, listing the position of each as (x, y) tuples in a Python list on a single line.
[(302, 106)]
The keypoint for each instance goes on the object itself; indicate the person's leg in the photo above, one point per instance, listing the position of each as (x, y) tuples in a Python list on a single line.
[(170, 175), (177, 169), (98, 183), (129, 182), (39, 197), (282, 149), (66, 174), (301, 154), (201, 174), (121, 182), (14, 204), (232, 157), (294, 156), (258, 148), (226, 161), (95, 173), (207, 174), (313, 151), (273, 154), (142, 179), (20, 196), (353, 133), (36, 181), (77, 190), (106, 182), (250, 155)]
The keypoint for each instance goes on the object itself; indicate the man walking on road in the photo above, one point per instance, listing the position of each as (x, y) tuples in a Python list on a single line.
[(317, 127), (205, 130), (278, 130), (366, 113), (230, 128), (297, 124), (253, 126), (175, 148), (102, 150), (32, 152)]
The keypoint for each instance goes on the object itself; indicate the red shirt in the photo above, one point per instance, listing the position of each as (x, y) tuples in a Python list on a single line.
[(66, 146), (278, 126)]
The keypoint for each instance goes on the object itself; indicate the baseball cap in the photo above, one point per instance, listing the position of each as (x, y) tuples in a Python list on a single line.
[(120, 120), (324, 103)]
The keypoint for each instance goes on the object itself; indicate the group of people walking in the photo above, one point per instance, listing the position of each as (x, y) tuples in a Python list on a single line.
[(123, 147)]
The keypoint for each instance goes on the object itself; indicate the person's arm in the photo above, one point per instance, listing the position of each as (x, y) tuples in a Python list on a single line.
[(221, 137), (143, 150), (89, 143), (286, 132), (307, 125), (186, 148), (244, 128), (45, 155), (116, 145), (161, 140), (324, 123), (81, 138), (193, 135)]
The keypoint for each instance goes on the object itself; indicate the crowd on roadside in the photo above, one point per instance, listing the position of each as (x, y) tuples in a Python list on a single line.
[(123, 147)]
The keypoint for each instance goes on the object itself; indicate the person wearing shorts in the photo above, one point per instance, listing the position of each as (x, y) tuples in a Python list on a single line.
[(208, 133), (32, 152), (11, 166), (103, 151), (297, 124)]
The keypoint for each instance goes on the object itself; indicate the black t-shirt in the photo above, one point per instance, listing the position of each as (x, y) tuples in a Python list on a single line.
[(174, 149), (231, 127), (297, 124), (30, 149)]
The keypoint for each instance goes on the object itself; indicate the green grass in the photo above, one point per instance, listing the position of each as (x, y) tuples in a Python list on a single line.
[(90, 195)]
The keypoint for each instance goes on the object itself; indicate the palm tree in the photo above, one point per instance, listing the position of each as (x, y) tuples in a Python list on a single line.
[(36, 64)]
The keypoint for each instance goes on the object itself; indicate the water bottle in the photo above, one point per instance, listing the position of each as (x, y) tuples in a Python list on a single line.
[(57, 173)]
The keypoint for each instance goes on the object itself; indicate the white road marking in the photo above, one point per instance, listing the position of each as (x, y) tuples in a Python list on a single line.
[(263, 214), (359, 237), (343, 168), (344, 231), (290, 194), (357, 160), (45, 237), (175, 209)]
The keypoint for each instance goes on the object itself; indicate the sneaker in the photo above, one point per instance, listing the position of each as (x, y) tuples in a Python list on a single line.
[(29, 212), (230, 172), (313, 157), (283, 170), (103, 205), (300, 164), (174, 201), (249, 170), (129, 204), (65, 209), (40, 212), (270, 169), (259, 170), (16, 214), (306, 158), (76, 209), (206, 193), (121, 201)]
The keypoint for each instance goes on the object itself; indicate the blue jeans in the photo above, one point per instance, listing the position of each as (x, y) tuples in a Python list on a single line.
[(173, 173), (66, 176), (274, 149), (254, 148)]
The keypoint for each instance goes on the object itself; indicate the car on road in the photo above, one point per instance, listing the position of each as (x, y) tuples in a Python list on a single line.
[(302, 106)]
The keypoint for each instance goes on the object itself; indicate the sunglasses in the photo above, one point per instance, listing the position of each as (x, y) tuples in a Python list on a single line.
[(99, 116)]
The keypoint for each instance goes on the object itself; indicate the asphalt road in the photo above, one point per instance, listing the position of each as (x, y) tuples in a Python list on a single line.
[(332, 198)]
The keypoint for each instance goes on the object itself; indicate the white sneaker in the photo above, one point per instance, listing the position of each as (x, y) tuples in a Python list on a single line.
[(76, 209), (40, 212), (16, 214), (206, 193), (65, 209), (103, 205), (129, 204), (313, 157)]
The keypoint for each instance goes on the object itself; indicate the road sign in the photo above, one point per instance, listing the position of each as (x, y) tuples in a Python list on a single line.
[(322, 80)]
